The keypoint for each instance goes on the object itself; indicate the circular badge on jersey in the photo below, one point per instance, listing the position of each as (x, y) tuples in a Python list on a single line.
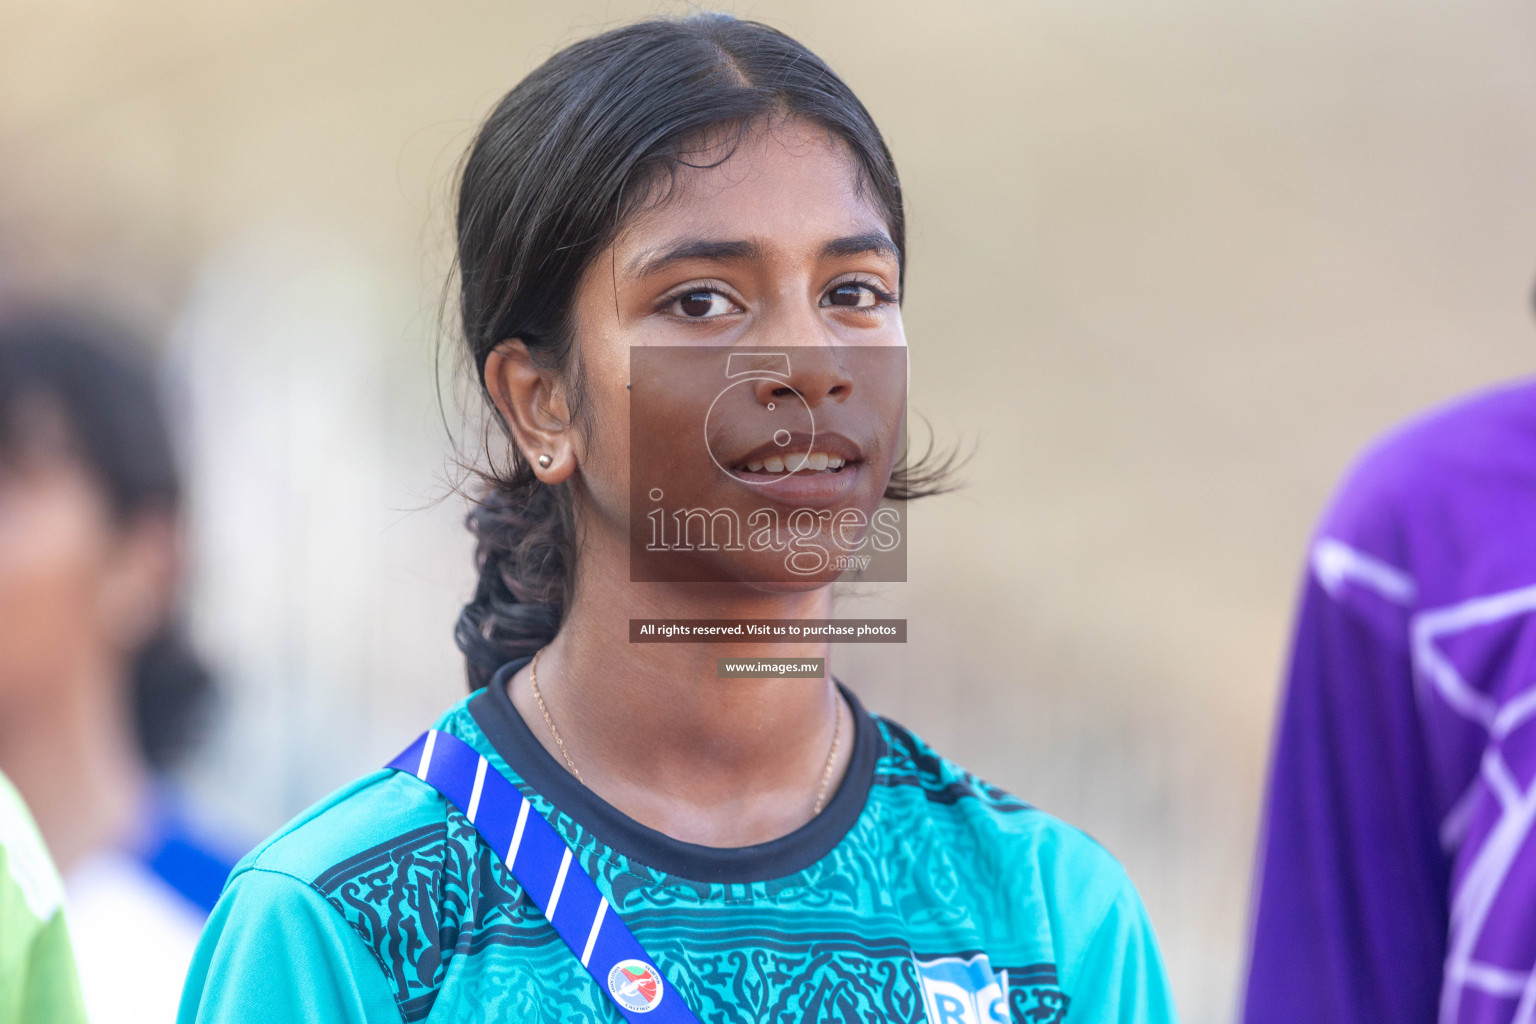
[(635, 985)]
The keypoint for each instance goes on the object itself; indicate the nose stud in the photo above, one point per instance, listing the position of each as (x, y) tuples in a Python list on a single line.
[(546, 460)]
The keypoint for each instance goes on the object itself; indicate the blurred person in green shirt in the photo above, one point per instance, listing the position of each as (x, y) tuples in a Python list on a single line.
[(37, 966), (99, 693)]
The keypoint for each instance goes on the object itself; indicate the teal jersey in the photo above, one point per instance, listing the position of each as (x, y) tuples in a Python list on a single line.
[(919, 894)]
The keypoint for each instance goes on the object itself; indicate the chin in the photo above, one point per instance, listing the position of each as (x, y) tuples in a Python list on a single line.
[(788, 586)]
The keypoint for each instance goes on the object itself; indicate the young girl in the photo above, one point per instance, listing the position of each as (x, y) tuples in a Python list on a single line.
[(762, 849)]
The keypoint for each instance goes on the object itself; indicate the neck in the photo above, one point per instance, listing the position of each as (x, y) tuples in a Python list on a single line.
[(73, 759), (652, 730)]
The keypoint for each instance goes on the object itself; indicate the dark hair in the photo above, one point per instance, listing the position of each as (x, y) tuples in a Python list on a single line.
[(556, 168), (89, 371)]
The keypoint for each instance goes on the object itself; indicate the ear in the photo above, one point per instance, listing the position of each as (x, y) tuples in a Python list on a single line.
[(535, 408)]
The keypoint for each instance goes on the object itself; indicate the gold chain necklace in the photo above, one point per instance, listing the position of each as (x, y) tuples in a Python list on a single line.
[(826, 771), (533, 676)]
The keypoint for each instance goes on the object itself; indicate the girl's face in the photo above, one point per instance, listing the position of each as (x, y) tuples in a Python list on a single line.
[(744, 365)]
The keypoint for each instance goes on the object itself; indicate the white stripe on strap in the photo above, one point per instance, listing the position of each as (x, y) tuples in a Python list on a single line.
[(554, 896), (517, 834), (597, 926), (474, 797), (426, 755)]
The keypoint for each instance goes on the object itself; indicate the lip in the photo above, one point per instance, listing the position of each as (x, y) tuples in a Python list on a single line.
[(805, 489), (801, 443)]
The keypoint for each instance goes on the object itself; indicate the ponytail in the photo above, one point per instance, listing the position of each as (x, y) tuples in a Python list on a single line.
[(524, 547)]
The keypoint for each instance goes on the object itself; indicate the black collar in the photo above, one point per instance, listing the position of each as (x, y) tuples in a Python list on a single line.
[(509, 734)]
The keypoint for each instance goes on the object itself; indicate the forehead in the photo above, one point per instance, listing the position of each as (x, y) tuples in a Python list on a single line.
[(790, 185), (34, 428)]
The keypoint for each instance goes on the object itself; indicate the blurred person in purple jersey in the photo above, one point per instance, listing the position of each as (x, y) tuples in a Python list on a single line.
[(98, 693), (1397, 872)]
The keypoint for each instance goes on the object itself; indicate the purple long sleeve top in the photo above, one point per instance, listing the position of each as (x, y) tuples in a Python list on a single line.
[(1397, 872)]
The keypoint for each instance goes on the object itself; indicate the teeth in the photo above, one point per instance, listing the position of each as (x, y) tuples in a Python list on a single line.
[(815, 461)]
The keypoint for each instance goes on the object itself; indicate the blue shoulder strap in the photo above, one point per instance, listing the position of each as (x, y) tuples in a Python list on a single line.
[(540, 860)]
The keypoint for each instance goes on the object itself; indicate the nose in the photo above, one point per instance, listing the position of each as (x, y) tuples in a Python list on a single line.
[(808, 356), (816, 373)]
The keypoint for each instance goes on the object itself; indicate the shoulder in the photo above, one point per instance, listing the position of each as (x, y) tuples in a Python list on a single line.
[(366, 876), (1016, 845), (24, 861), (1045, 893), (37, 967), (1443, 449), (392, 866), (379, 814), (1455, 479), (384, 814)]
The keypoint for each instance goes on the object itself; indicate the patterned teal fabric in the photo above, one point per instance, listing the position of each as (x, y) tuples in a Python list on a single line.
[(948, 902)]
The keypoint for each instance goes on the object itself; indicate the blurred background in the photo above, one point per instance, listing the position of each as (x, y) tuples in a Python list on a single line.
[(1172, 265)]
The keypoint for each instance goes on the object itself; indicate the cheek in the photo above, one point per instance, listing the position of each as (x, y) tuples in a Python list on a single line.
[(602, 442), (51, 563), (604, 445), (670, 408)]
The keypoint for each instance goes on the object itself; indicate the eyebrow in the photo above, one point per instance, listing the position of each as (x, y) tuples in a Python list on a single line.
[(692, 249), (651, 261), (877, 242)]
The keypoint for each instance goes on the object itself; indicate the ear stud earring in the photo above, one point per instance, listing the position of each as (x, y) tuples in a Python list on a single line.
[(546, 460)]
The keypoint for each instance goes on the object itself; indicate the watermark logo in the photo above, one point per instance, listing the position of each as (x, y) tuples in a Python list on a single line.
[(767, 465), (792, 421)]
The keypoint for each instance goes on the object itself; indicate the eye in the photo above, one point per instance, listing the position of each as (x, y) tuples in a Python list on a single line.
[(700, 304), (856, 295)]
